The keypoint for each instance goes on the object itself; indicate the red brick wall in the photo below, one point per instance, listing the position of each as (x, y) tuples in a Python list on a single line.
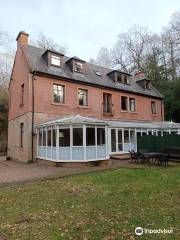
[(44, 102)]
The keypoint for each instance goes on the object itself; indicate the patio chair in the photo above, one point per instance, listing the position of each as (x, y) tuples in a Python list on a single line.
[(138, 157), (132, 153), (164, 159)]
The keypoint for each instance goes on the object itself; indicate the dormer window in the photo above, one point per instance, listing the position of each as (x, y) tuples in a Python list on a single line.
[(119, 78), (122, 78), (78, 67), (148, 85), (55, 60), (126, 81)]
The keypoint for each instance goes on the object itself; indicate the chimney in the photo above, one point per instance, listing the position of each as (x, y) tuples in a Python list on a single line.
[(139, 75), (22, 38)]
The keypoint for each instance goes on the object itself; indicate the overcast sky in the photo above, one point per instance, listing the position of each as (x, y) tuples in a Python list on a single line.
[(85, 25)]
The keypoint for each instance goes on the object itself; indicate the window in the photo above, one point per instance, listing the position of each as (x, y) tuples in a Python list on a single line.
[(126, 81), (54, 137), (78, 67), (40, 137), (120, 145), (148, 85), (58, 93), (100, 136), (113, 140), (119, 77), (107, 103), (126, 136), (122, 78), (98, 73), (90, 136), (82, 97), (64, 137), (124, 103), (49, 137), (153, 107), (132, 105), (44, 137), (77, 137), (55, 60), (22, 95), (21, 134)]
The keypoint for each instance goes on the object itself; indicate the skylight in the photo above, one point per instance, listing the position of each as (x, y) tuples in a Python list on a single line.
[(98, 73)]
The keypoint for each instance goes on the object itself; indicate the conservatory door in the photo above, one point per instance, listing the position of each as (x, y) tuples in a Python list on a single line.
[(116, 140)]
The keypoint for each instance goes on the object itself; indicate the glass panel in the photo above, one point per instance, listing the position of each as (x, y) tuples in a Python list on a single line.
[(113, 140), (132, 104), (64, 137), (40, 137), (55, 60), (107, 103), (49, 137), (77, 137), (54, 137), (153, 107), (58, 93), (78, 67), (100, 136), (132, 136), (124, 103), (119, 140), (44, 137), (90, 136), (126, 136), (82, 97)]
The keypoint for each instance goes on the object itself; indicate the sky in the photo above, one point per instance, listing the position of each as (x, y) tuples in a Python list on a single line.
[(84, 25)]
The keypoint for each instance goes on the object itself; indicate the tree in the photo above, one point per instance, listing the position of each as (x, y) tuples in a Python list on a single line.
[(45, 42), (130, 49), (103, 59), (6, 58)]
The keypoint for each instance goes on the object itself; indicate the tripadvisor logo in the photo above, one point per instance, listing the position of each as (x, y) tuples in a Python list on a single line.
[(139, 231)]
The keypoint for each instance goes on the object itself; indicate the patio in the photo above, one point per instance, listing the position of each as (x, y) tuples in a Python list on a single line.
[(12, 172)]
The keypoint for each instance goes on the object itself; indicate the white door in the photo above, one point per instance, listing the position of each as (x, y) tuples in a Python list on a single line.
[(116, 140)]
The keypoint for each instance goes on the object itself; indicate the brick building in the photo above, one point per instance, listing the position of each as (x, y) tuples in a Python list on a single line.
[(64, 109)]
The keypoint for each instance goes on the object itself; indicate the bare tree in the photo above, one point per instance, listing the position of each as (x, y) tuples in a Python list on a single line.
[(130, 49), (45, 42), (6, 58)]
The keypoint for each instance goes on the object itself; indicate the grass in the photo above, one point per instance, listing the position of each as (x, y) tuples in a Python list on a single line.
[(103, 205)]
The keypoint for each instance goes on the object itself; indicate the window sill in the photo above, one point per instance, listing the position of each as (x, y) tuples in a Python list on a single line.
[(108, 114), (59, 104), (154, 114), (86, 107), (124, 111)]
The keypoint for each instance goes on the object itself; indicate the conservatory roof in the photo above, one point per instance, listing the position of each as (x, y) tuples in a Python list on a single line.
[(78, 119)]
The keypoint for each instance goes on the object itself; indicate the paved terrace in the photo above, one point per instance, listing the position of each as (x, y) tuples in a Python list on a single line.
[(12, 172)]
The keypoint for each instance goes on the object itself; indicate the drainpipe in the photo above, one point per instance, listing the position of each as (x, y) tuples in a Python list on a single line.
[(162, 117), (32, 127)]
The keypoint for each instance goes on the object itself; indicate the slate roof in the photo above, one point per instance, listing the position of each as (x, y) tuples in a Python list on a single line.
[(78, 119), (37, 62)]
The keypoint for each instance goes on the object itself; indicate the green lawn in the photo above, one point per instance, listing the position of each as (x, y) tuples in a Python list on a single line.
[(102, 205)]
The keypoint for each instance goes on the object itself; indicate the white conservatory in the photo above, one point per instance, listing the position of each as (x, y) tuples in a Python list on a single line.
[(84, 139)]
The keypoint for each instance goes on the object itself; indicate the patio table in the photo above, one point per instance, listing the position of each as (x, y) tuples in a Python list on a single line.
[(154, 156)]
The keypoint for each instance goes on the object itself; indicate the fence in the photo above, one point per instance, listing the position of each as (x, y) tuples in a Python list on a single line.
[(153, 143)]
